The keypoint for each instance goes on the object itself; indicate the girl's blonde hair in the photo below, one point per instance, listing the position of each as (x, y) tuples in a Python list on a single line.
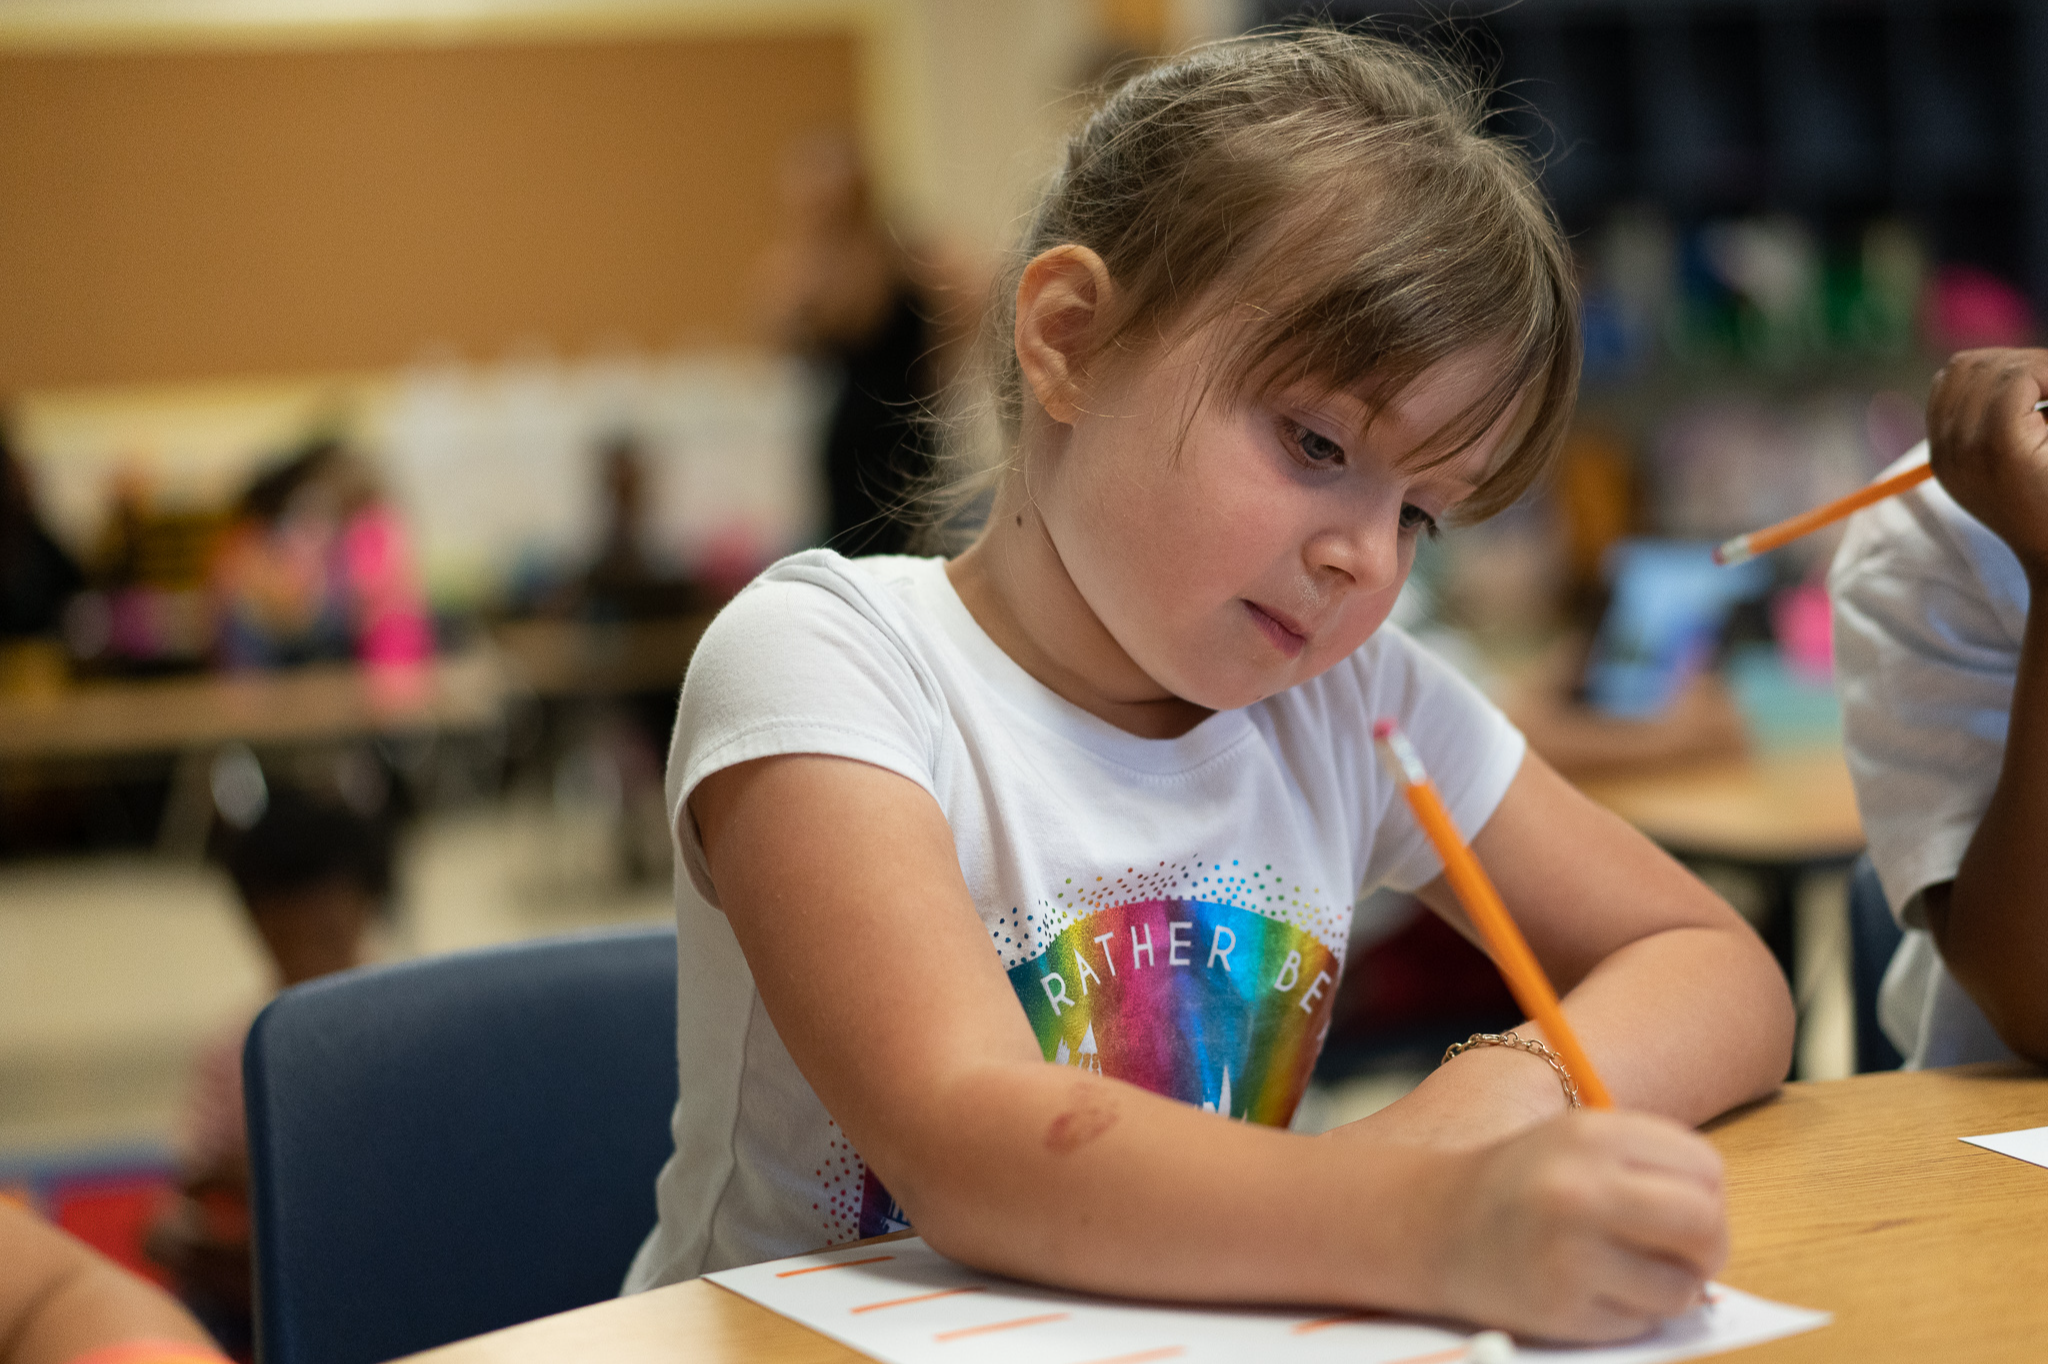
[(1338, 194)]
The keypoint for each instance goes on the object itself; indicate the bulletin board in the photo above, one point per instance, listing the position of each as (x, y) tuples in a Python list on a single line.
[(177, 215)]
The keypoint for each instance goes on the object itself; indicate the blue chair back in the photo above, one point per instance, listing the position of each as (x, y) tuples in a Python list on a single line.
[(443, 1147), (1873, 937)]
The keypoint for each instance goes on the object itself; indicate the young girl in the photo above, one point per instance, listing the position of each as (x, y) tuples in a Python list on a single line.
[(1012, 883)]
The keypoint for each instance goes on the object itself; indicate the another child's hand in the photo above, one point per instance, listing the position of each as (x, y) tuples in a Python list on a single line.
[(1593, 1227), (1990, 448)]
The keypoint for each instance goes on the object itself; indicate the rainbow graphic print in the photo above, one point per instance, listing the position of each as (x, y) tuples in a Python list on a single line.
[(1145, 979), (1212, 1004)]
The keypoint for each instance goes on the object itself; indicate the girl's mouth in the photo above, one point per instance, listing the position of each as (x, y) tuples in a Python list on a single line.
[(1286, 634)]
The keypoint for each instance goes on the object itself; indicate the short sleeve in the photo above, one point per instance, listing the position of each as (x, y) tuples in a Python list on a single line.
[(1472, 750), (809, 659), (1924, 662)]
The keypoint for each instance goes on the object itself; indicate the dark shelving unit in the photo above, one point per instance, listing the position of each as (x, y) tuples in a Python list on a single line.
[(1837, 111)]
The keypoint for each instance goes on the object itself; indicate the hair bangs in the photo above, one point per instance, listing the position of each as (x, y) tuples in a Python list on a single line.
[(1370, 309)]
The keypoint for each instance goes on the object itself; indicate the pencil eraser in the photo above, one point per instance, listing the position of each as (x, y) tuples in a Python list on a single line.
[(1492, 1347), (1382, 727)]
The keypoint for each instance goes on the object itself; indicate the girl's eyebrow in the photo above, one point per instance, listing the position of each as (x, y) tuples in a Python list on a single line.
[(1348, 410)]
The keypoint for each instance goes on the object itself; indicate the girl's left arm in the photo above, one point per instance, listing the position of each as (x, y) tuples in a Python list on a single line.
[(1679, 1004)]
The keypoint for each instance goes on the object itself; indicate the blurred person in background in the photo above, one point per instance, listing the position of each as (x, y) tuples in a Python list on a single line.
[(317, 565), (37, 576), (314, 876), (61, 1300), (617, 741), (145, 609), (839, 287), (623, 581)]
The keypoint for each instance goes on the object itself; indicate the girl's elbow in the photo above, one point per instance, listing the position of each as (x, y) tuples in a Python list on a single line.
[(1775, 1018), (963, 1228)]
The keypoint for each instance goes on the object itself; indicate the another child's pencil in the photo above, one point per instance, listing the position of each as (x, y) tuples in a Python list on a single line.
[(1754, 543), (1518, 965)]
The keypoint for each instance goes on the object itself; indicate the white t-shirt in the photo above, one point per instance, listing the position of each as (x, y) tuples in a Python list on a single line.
[(1171, 912), (1930, 607)]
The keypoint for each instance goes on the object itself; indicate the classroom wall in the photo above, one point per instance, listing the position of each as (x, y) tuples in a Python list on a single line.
[(186, 214)]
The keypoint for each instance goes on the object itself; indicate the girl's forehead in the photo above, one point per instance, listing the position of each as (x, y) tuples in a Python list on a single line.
[(1429, 400)]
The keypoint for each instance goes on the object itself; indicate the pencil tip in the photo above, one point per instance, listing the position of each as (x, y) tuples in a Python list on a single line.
[(1732, 551)]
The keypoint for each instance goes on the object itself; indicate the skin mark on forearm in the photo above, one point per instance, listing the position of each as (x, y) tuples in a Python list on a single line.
[(1074, 1128)]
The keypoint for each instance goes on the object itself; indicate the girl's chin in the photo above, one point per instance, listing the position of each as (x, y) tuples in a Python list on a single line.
[(1231, 694)]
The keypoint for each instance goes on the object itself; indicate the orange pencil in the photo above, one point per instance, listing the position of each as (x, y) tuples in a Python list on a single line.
[(1754, 543), (1518, 966)]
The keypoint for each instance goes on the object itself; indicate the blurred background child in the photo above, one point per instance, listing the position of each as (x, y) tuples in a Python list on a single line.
[(317, 565), (314, 877), (37, 575)]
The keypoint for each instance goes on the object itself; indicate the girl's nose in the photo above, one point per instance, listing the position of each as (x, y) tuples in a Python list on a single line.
[(1366, 552)]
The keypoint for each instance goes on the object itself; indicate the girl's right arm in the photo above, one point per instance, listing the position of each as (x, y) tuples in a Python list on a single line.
[(843, 887)]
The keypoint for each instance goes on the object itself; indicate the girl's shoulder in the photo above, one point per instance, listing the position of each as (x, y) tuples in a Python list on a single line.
[(822, 597), (818, 634), (878, 586)]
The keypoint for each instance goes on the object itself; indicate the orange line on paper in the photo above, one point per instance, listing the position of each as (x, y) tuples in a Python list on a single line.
[(988, 1327), (1318, 1324), (1462, 1351), (836, 1265), (918, 1298), (1136, 1357)]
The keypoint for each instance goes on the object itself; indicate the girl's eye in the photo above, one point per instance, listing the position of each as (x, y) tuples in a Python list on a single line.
[(1414, 519), (1314, 447)]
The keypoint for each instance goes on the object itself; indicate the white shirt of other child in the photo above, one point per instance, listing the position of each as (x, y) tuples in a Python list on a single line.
[(1171, 912), (1930, 607)]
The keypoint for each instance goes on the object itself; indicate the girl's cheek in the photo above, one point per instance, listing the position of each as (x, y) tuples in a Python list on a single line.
[(1372, 614)]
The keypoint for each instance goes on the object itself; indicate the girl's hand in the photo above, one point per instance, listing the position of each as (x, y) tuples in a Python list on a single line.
[(1594, 1226), (1990, 448)]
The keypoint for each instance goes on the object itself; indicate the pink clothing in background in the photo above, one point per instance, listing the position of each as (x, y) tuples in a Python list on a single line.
[(391, 625)]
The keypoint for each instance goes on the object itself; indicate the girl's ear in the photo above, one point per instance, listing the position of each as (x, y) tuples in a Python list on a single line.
[(1062, 299)]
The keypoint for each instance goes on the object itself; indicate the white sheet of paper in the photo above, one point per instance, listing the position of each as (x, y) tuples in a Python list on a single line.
[(903, 1301), (2028, 1144)]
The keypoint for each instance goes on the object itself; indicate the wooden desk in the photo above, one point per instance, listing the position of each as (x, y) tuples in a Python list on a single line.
[(1853, 1196), (314, 704)]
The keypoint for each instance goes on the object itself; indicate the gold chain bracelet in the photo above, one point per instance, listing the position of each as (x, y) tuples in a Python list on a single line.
[(1534, 1047)]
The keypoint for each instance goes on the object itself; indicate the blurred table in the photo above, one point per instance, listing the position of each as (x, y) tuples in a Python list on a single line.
[(1782, 817), (149, 726), (312, 704), (567, 658), (1852, 1196), (1794, 806)]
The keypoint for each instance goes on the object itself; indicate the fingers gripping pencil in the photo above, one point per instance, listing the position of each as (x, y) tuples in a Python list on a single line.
[(1475, 890), (1753, 543)]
